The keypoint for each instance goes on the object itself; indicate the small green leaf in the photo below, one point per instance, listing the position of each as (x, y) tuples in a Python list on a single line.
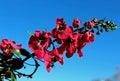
[(24, 52), (13, 78), (30, 33), (17, 52)]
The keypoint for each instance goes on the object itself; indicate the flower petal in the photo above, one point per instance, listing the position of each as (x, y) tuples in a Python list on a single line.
[(39, 53), (17, 47), (48, 69), (80, 53), (37, 33)]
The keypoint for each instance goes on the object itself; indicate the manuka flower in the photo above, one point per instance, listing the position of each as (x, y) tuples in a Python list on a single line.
[(7, 45), (39, 43)]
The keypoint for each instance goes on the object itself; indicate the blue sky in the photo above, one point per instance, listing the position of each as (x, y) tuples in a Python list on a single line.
[(100, 58)]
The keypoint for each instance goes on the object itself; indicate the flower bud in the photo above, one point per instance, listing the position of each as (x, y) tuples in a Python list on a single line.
[(76, 23), (90, 24), (95, 20)]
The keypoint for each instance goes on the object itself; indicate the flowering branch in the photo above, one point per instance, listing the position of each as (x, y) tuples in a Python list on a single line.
[(69, 39)]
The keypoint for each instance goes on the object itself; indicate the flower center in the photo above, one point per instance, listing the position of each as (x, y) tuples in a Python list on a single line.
[(62, 27), (42, 40), (69, 41)]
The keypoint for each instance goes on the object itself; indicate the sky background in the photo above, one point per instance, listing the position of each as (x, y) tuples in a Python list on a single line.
[(100, 58)]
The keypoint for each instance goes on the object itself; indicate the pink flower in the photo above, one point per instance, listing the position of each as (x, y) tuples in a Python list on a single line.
[(70, 45), (51, 57), (76, 22), (61, 31), (90, 24), (84, 39), (65, 34), (57, 56), (6, 46), (39, 42), (88, 37)]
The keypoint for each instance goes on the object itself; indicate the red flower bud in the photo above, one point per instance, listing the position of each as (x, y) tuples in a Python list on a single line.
[(59, 21), (90, 24), (76, 22)]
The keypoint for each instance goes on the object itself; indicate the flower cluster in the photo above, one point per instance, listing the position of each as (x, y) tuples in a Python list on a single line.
[(7, 45), (70, 39)]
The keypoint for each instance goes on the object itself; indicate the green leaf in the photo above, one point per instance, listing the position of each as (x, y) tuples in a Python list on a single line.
[(30, 33), (13, 78), (17, 52), (24, 52)]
